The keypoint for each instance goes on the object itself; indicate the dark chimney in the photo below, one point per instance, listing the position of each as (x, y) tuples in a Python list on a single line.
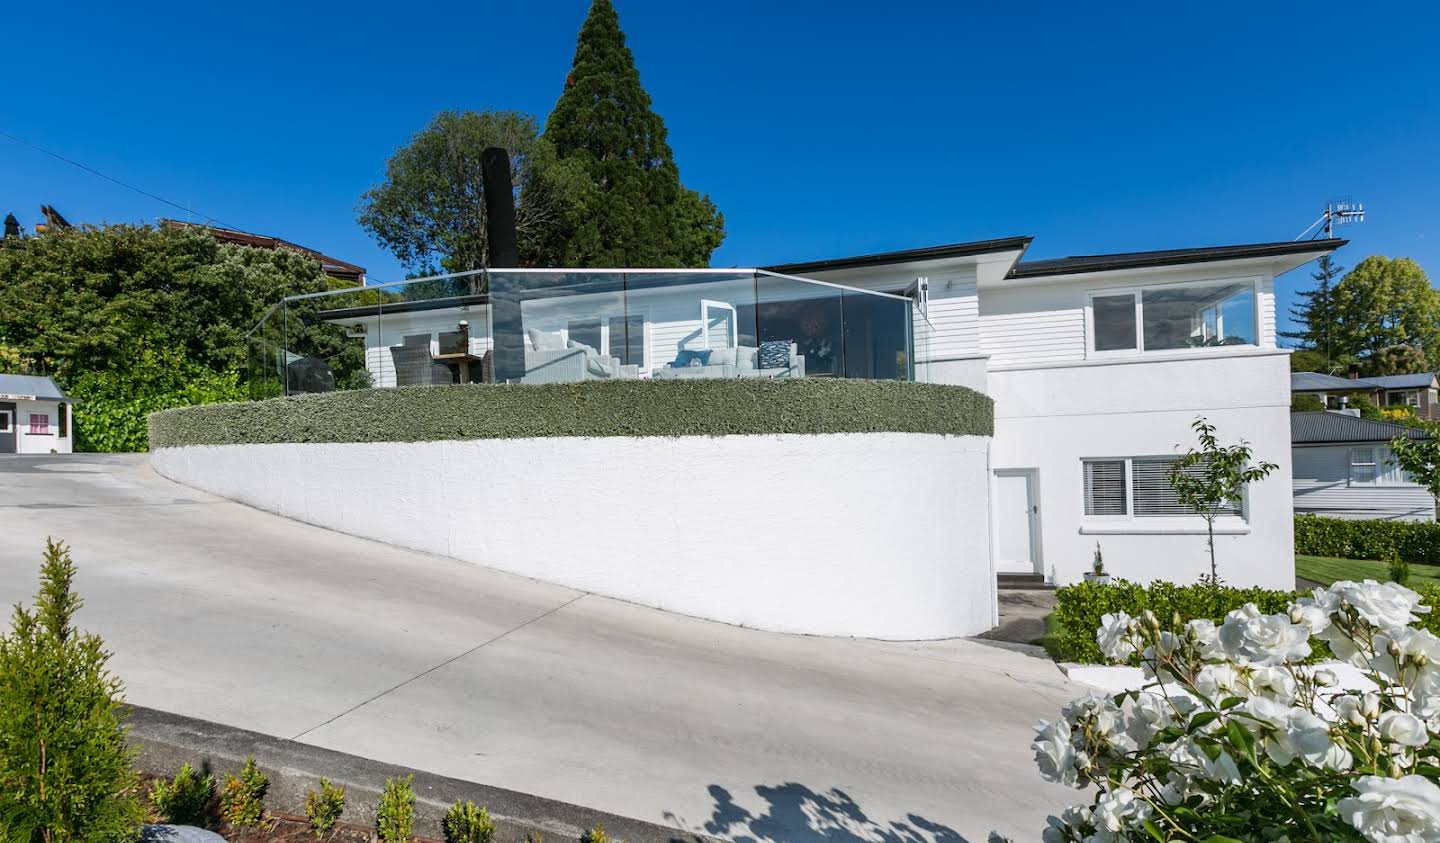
[(12, 226), (508, 343), (1354, 373)]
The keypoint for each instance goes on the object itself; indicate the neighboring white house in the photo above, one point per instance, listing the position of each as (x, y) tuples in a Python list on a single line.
[(35, 416), (1098, 366), (1344, 469)]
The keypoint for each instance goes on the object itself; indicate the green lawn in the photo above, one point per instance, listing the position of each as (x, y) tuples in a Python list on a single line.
[(1328, 569)]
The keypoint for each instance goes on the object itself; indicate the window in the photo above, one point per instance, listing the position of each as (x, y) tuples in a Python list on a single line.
[(720, 324), (1403, 398), (1173, 317), (63, 421), (39, 424), (627, 339), (4, 421), (1136, 486), (1362, 467)]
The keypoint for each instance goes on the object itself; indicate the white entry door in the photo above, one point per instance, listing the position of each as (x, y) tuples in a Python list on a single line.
[(1016, 514)]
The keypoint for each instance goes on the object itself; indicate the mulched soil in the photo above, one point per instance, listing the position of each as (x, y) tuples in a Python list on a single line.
[(288, 828)]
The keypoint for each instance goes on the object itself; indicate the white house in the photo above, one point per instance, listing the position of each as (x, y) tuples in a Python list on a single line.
[(1344, 469), (35, 416), (1098, 366)]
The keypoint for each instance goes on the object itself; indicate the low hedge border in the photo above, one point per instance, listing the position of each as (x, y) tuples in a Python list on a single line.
[(1079, 607), (1413, 541), (596, 408)]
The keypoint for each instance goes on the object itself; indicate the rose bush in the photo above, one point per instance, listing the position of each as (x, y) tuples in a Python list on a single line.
[(1235, 738)]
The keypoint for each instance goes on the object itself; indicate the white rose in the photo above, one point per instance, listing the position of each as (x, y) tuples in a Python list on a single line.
[(1425, 695), (1389, 606), (1144, 716), (1069, 825), (1207, 637), (1054, 753), (1118, 810), (1116, 637), (1310, 614), (1252, 638), (1220, 680), (1405, 810), (1347, 710), (1344, 649), (1274, 682), (1222, 768), (1404, 729), (1290, 733), (1400, 648)]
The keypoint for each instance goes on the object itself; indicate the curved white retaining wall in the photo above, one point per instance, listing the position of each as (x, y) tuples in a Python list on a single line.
[(876, 535)]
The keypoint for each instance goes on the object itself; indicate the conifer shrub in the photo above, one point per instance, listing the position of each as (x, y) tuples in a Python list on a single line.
[(597, 835), (184, 799), (395, 816), (466, 823), (242, 799), (324, 808), (65, 768)]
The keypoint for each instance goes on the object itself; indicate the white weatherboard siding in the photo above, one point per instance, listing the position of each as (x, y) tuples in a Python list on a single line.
[(1051, 418), (873, 535), (1322, 486), (49, 441)]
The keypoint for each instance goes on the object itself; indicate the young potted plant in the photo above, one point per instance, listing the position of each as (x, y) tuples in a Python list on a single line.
[(1097, 574)]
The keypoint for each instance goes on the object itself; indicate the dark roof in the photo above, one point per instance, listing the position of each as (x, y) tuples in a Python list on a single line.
[(334, 267), (379, 309), (39, 386), (929, 253), (1326, 427), (1168, 257), (1320, 382), (1415, 381)]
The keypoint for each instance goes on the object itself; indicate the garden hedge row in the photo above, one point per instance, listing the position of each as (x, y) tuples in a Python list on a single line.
[(1412, 541), (596, 408), (1079, 607)]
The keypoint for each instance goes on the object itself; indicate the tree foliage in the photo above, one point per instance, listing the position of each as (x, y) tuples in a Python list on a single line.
[(1315, 313), (1211, 478), (133, 318), (1386, 302), (65, 774), (638, 214), (430, 210), (1403, 359), (1420, 458)]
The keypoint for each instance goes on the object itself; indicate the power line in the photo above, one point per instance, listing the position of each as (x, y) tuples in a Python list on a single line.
[(57, 156)]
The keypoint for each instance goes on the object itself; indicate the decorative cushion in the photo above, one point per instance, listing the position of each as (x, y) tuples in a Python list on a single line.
[(689, 357), (775, 354), (721, 356)]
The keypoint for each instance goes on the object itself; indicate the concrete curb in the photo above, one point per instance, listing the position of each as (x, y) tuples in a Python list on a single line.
[(164, 741)]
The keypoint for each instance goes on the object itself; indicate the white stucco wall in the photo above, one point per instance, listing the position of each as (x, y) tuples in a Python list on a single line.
[(872, 535), (42, 443)]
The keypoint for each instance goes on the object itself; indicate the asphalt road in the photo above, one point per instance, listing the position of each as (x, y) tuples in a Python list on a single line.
[(221, 612)]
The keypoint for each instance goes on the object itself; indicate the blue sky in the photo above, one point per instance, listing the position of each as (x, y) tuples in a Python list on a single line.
[(821, 129)]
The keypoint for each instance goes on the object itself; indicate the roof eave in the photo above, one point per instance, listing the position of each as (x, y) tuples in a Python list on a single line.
[(1145, 260), (929, 253)]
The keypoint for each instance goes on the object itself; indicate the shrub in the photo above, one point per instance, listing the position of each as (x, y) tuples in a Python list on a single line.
[(1232, 738), (1080, 607), (1413, 541), (242, 799), (466, 823), (323, 809), (185, 799), (1398, 569), (396, 813), (597, 835), (65, 771)]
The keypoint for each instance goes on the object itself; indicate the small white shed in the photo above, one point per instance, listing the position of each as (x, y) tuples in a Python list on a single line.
[(1343, 468), (35, 416)]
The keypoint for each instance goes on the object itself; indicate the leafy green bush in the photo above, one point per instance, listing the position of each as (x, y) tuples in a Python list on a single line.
[(465, 823), (185, 799), (1413, 541), (1398, 569), (242, 799), (596, 408), (396, 814), (323, 809), (65, 771), (597, 835), (111, 405)]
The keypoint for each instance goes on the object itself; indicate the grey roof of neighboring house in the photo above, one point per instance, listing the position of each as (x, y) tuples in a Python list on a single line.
[(36, 385), (1320, 382), (1325, 427), (1416, 381)]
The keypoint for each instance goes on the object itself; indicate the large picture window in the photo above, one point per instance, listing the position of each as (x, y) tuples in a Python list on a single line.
[(1173, 317), (1135, 486)]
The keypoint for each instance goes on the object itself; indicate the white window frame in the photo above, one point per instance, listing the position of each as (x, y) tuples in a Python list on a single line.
[(10, 425), (30, 425), (1138, 291), (644, 314), (706, 305), (1130, 516), (1374, 464)]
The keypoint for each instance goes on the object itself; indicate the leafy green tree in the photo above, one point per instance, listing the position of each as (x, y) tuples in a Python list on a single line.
[(1403, 359), (1212, 478), (1386, 302), (430, 210), (638, 213), (65, 768), (1304, 402), (1315, 313), (1420, 458), (1310, 360)]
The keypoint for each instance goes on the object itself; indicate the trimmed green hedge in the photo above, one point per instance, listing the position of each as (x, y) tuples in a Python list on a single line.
[(1412, 541), (595, 408), (1079, 608)]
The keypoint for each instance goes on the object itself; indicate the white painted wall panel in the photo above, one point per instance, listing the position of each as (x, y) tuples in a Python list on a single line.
[(875, 535)]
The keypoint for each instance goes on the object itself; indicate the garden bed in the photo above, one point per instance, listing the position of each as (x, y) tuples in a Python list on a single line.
[(288, 828)]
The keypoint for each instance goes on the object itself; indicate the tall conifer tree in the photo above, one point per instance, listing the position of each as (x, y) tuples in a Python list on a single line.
[(1315, 314), (640, 214)]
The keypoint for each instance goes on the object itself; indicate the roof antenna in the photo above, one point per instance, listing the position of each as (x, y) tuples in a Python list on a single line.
[(1336, 213)]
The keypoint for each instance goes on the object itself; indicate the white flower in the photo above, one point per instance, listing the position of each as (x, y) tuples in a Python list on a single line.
[(1290, 733), (1166, 645), (1347, 710), (1311, 614), (1073, 819), (1389, 606), (1145, 715), (1222, 768), (1252, 638), (1326, 678), (1054, 753), (1404, 729), (1203, 631), (1220, 680), (1117, 811), (1405, 810), (1276, 683), (1116, 637), (1343, 648), (1425, 696), (1399, 648)]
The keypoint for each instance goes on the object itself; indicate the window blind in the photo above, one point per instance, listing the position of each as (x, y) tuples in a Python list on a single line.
[(1105, 487), (1153, 493)]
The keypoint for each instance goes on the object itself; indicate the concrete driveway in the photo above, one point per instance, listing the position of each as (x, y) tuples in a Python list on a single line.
[(218, 611)]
